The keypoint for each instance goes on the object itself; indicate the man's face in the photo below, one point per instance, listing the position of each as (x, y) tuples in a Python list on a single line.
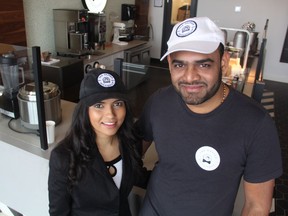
[(195, 76)]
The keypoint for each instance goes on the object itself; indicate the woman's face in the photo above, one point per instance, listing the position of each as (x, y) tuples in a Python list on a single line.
[(107, 116)]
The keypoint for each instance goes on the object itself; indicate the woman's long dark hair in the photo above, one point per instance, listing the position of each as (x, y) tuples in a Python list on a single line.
[(80, 140)]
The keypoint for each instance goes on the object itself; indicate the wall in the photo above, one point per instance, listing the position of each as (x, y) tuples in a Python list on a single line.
[(39, 24), (12, 30), (257, 11), (156, 21), (39, 19)]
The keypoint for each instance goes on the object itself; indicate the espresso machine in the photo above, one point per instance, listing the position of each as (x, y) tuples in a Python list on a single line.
[(12, 77), (78, 32)]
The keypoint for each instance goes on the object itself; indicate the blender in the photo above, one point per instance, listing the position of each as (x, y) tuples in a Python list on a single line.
[(10, 85)]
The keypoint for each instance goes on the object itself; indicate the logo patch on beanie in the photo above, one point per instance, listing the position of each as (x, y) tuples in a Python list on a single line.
[(186, 28), (106, 80)]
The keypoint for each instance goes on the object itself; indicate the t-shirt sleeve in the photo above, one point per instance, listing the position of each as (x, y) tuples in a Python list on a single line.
[(143, 124), (264, 160)]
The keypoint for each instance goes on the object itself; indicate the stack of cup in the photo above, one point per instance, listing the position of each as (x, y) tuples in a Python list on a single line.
[(50, 130)]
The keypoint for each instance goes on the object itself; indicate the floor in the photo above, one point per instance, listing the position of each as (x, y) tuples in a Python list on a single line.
[(278, 110), (280, 91)]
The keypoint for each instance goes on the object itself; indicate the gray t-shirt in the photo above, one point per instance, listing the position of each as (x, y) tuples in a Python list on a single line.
[(202, 157)]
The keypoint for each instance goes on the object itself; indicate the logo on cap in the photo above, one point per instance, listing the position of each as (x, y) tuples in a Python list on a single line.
[(106, 80), (186, 28)]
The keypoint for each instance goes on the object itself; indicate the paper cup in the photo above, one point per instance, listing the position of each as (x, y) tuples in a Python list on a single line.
[(50, 130)]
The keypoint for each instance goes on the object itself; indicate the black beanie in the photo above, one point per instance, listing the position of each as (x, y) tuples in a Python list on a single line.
[(99, 84)]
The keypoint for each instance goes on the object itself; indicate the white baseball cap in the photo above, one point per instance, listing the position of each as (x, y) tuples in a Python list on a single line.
[(198, 34)]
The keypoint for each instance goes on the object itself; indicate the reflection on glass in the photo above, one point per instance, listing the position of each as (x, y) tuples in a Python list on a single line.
[(20, 67), (133, 74), (180, 10)]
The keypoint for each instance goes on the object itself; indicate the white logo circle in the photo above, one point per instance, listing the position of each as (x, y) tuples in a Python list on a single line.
[(106, 80), (207, 158), (186, 28)]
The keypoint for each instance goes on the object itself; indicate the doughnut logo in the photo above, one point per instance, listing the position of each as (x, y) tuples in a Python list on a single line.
[(207, 158), (186, 28), (106, 80)]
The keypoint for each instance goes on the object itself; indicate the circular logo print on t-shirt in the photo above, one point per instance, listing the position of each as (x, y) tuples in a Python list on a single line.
[(106, 80), (207, 158)]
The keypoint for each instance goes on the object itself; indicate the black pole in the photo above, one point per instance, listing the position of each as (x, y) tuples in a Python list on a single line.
[(37, 70)]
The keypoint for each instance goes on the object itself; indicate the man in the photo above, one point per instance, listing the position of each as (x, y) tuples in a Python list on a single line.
[(207, 135)]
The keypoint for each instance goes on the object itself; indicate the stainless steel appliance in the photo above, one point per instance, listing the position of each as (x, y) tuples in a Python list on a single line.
[(28, 106), (239, 47), (10, 85), (78, 32), (239, 42)]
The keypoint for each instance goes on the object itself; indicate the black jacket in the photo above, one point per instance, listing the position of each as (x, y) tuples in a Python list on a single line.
[(96, 193)]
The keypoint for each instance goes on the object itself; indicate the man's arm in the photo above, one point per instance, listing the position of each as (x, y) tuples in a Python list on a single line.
[(258, 198)]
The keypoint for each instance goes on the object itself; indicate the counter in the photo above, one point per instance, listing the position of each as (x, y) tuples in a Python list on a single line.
[(31, 143), (24, 166), (68, 72), (112, 49)]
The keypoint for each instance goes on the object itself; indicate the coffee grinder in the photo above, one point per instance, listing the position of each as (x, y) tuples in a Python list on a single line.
[(10, 85)]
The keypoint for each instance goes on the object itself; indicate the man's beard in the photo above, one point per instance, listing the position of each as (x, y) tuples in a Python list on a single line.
[(191, 98)]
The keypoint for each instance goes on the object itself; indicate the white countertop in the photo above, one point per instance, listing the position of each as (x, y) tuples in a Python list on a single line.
[(24, 166), (31, 142)]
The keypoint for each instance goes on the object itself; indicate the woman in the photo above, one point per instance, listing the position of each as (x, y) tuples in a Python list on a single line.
[(94, 168)]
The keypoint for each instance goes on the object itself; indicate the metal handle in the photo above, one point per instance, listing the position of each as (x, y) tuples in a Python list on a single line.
[(265, 28), (23, 76)]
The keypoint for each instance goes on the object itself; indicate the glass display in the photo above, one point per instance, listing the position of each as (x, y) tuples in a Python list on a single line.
[(180, 10), (21, 94)]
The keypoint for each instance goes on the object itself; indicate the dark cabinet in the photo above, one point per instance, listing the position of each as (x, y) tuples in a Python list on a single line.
[(141, 19), (67, 74), (138, 55)]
